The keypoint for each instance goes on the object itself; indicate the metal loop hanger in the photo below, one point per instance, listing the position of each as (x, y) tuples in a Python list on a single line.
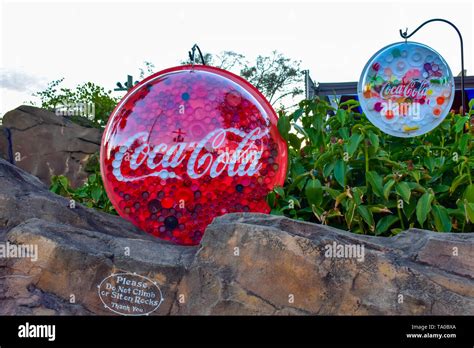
[(406, 36), (192, 55)]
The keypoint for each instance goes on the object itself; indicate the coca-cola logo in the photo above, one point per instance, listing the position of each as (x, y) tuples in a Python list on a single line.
[(244, 160), (414, 89)]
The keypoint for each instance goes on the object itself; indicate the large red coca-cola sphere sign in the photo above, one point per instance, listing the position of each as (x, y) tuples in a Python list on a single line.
[(188, 144)]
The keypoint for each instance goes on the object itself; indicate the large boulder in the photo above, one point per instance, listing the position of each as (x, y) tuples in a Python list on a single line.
[(246, 263), (77, 249), (258, 264), (45, 144)]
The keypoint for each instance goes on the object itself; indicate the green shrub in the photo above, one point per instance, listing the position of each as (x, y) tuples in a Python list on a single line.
[(92, 194), (346, 173), (55, 96)]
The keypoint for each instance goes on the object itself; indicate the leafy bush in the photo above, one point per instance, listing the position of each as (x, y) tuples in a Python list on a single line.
[(346, 173), (88, 93), (92, 194)]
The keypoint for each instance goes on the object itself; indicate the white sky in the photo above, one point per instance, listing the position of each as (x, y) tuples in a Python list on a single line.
[(104, 41)]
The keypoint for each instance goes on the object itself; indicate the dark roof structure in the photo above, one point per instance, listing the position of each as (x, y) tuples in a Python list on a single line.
[(350, 88)]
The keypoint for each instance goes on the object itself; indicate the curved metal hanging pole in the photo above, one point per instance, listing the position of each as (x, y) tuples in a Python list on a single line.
[(192, 54), (406, 36)]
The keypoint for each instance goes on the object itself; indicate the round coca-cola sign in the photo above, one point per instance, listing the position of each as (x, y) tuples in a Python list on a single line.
[(188, 144), (406, 89)]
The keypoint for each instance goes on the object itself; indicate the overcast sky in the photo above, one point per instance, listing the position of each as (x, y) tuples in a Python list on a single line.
[(104, 41)]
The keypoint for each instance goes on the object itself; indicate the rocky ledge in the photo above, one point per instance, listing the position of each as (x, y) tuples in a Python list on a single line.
[(246, 263)]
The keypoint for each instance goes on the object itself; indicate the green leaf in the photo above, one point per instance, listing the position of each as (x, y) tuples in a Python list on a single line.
[(440, 188), (323, 159), (271, 197), (429, 163), (314, 136), (415, 187), (379, 208), (340, 172), (460, 180), (63, 181), (441, 218), (317, 211), (328, 168), (297, 169), (416, 175), (366, 214), (279, 191), (344, 133), (469, 193), (333, 193), (349, 102), (54, 187), (341, 197), (314, 192), (353, 143), (376, 181), (276, 212), (409, 208), (460, 122), (464, 143), (300, 130), (96, 193), (469, 210), (301, 183), (357, 194), (333, 213), (294, 141), (297, 114), (91, 179), (349, 214), (387, 188), (403, 191), (423, 207), (341, 116), (385, 223), (374, 140), (396, 231), (81, 194), (284, 126), (318, 121)]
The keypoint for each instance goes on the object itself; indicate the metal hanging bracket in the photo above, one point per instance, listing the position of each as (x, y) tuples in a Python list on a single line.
[(192, 55), (406, 36)]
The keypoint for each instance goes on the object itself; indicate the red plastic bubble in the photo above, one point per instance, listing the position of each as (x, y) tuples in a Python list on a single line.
[(188, 144)]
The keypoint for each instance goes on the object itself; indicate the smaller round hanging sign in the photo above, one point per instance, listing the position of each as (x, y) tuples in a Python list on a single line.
[(406, 89)]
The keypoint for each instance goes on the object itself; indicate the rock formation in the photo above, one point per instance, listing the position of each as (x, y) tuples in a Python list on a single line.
[(246, 263), (45, 144)]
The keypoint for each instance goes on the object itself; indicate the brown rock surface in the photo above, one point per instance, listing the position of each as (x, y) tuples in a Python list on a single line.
[(45, 144), (282, 268), (246, 263), (77, 249)]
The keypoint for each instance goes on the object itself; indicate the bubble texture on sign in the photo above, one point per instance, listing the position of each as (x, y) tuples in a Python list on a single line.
[(188, 144), (406, 89)]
